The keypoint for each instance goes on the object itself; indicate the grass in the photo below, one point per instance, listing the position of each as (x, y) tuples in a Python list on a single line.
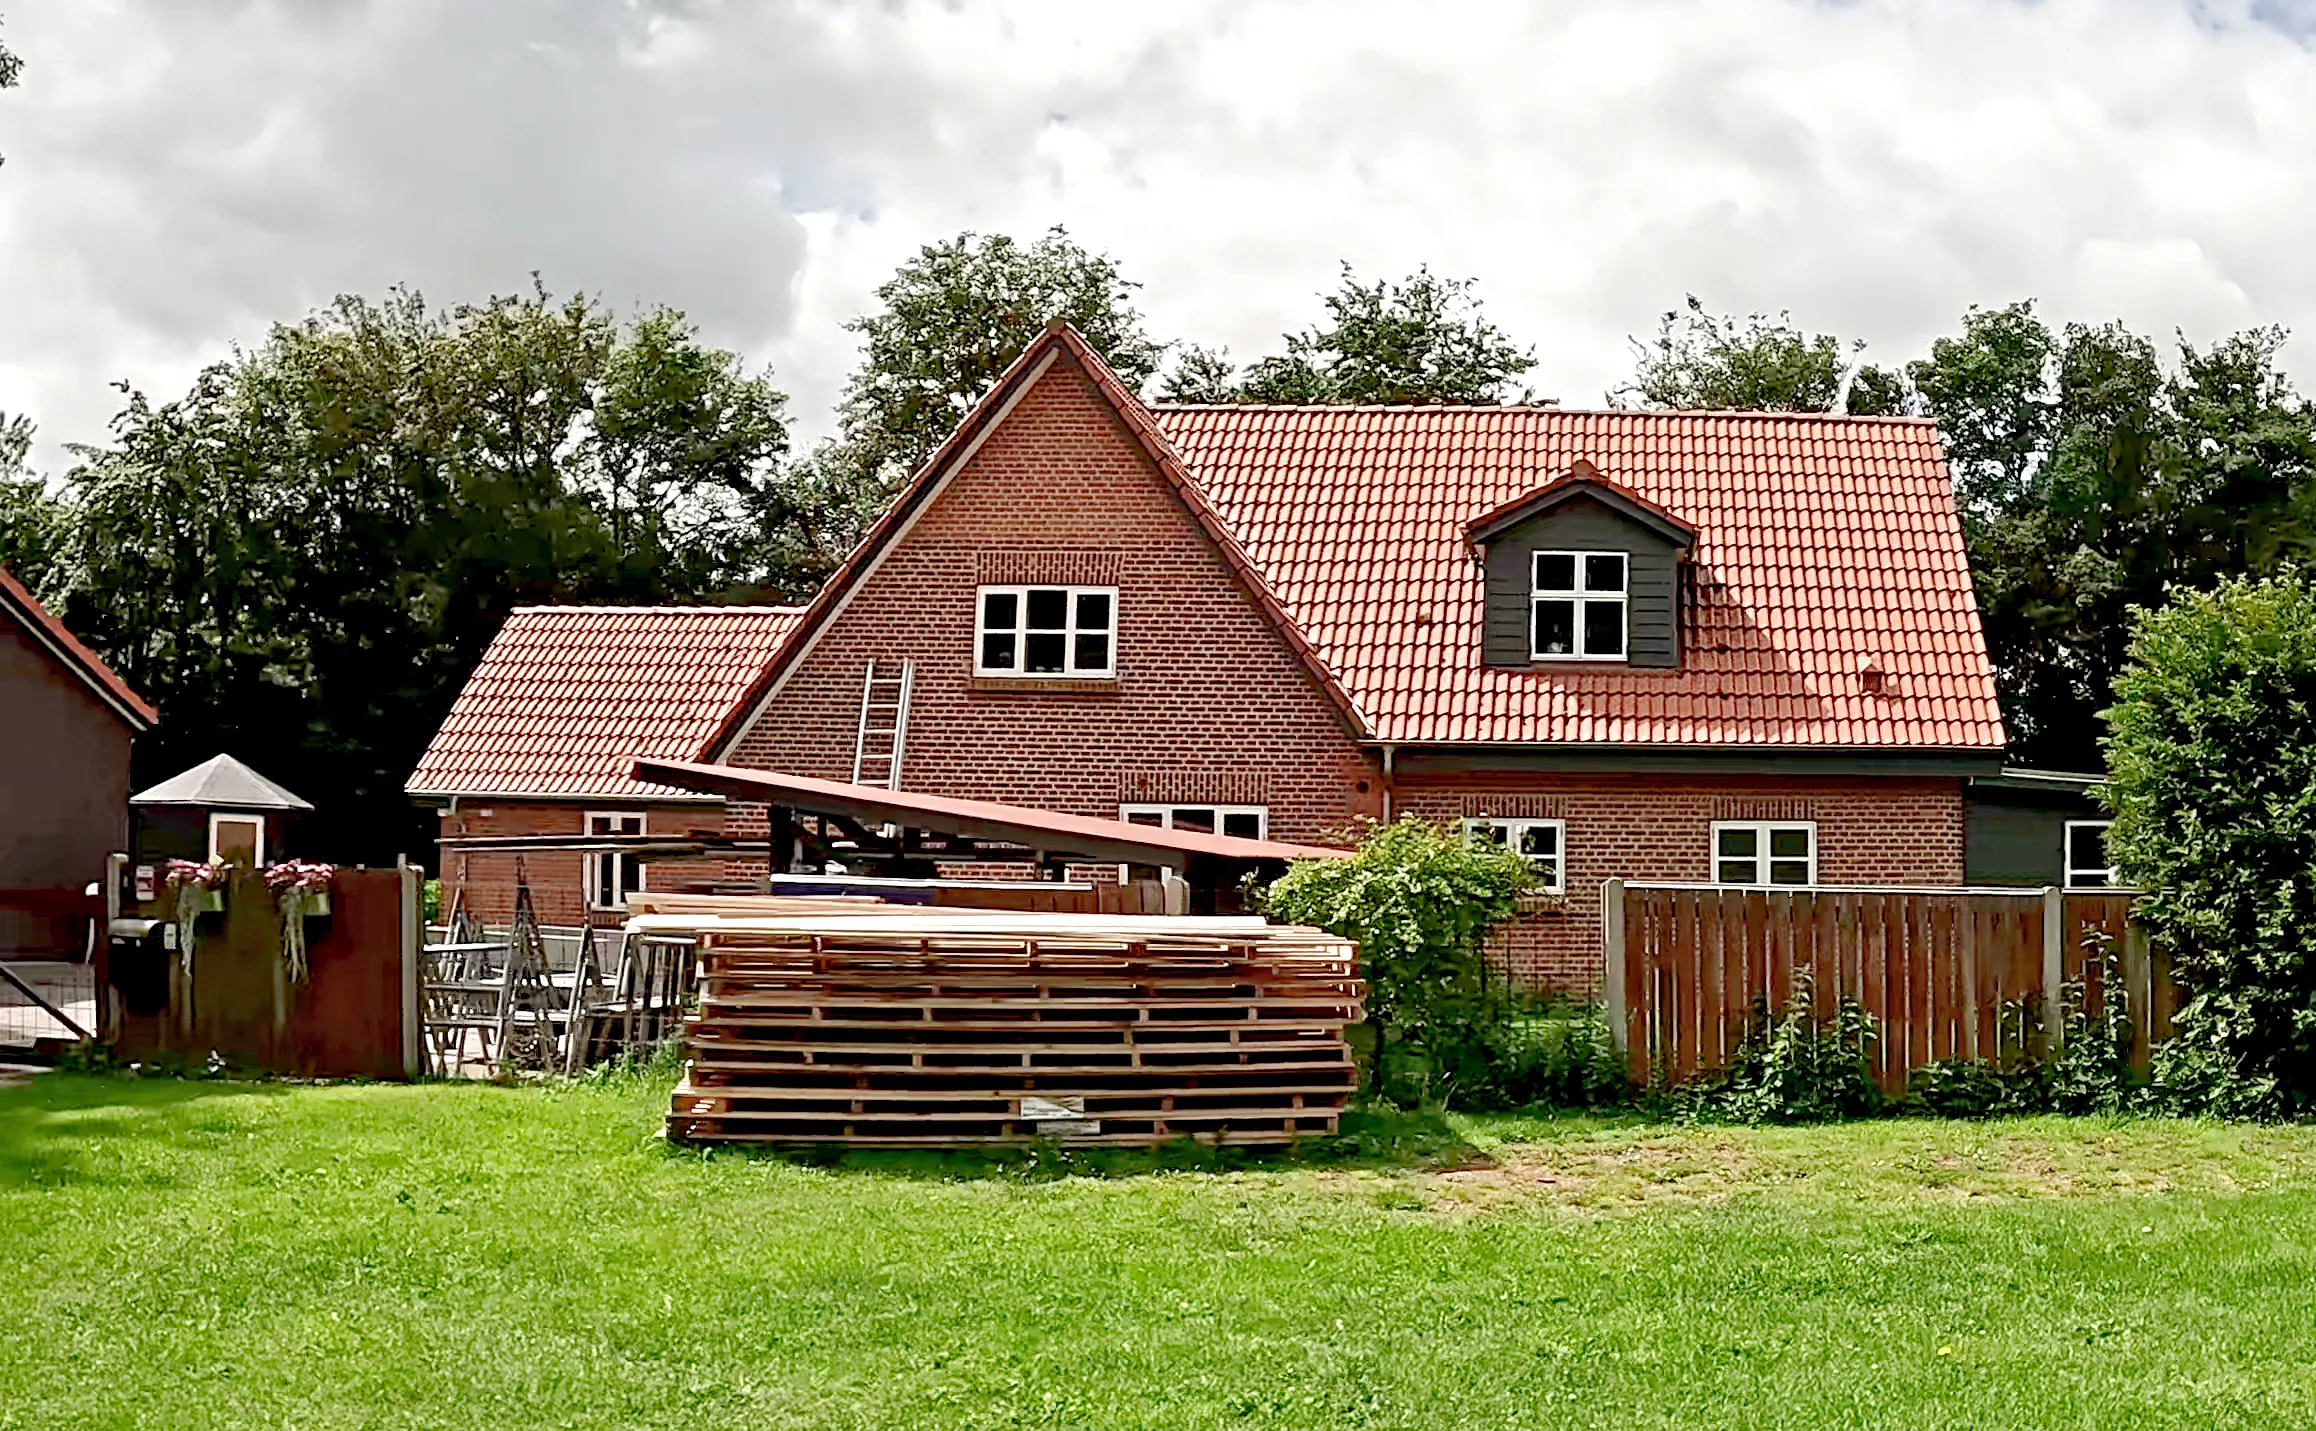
[(211, 1254)]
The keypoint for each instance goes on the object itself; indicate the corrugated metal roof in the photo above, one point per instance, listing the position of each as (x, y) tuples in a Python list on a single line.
[(567, 697)]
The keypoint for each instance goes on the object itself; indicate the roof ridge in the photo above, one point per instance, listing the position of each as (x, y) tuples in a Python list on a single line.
[(1750, 414), (667, 610)]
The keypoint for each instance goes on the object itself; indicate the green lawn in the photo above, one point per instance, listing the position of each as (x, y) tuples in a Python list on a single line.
[(216, 1254)]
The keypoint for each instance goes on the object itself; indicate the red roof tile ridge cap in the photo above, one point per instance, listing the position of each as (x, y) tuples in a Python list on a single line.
[(664, 610)]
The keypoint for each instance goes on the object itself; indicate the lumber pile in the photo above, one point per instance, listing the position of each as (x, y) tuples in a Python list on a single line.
[(944, 1027)]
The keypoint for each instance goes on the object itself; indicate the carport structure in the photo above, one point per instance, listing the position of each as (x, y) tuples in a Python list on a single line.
[(910, 833), (907, 834)]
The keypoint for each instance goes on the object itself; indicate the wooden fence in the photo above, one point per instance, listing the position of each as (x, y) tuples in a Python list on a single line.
[(1944, 973)]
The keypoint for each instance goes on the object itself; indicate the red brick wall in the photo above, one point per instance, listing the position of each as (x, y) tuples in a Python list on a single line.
[(558, 891), (1210, 704), (1882, 830)]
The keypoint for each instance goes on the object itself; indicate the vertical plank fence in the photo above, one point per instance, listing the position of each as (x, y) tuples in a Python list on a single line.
[(1944, 973)]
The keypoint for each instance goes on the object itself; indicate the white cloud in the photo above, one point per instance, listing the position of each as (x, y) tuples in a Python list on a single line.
[(180, 174)]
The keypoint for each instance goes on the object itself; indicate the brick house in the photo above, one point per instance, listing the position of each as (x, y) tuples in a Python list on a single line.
[(1739, 647), (540, 740)]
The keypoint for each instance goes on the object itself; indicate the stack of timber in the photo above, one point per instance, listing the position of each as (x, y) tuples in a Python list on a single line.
[(944, 1027)]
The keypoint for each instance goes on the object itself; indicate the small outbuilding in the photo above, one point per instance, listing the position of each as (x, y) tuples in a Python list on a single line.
[(220, 809), (2037, 827)]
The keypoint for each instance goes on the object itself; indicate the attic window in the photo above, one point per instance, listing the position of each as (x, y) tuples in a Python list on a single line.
[(1577, 606), (1046, 631)]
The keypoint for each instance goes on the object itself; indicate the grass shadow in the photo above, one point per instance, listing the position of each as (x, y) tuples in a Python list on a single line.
[(52, 1124), (1373, 1139)]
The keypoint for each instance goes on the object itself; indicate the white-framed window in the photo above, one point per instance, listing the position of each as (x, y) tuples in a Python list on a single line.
[(1543, 843), (1764, 852), (612, 875), (1046, 631), (2086, 851), (238, 839), (1247, 822), (1577, 606)]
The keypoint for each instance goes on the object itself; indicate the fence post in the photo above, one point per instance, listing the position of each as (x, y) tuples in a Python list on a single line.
[(2054, 969), (413, 924), (1612, 936)]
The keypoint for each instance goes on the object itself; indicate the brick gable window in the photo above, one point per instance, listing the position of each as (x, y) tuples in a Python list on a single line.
[(1759, 852), (1247, 822), (1046, 631), (1543, 843), (1577, 606)]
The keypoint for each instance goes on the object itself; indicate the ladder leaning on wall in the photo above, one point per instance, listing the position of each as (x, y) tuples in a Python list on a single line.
[(884, 722)]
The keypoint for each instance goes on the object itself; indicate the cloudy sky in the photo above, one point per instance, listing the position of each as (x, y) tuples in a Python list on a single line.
[(180, 173)]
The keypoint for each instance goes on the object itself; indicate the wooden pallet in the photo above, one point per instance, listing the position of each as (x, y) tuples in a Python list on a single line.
[(947, 1028)]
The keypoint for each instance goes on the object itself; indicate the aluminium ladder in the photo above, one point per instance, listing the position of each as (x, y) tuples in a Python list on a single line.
[(884, 723)]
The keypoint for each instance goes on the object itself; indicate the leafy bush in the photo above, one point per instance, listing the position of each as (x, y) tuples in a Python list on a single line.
[(1791, 1067), (2212, 777), (1419, 900), (1553, 1056)]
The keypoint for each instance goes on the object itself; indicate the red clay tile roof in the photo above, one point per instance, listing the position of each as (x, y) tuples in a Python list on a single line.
[(1824, 544), (567, 697), (80, 660)]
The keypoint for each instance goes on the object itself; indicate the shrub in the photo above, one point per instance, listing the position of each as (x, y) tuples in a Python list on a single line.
[(1419, 900), (1791, 1067), (2211, 750)]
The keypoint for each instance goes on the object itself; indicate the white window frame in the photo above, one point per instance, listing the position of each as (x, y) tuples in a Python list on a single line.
[(591, 879), (1762, 829), (1071, 670), (217, 817), (2105, 873), (1582, 597), (1166, 813), (1556, 876)]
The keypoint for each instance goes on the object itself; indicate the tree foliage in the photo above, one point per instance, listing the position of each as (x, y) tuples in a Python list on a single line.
[(2212, 757), (1423, 340), (302, 558), (2093, 479), (34, 524), (951, 321), (1759, 364), (1419, 901)]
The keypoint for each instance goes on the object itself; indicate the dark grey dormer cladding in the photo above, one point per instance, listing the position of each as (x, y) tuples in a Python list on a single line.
[(1583, 523)]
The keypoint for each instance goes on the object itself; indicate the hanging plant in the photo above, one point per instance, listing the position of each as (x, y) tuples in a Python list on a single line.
[(302, 888), (195, 890)]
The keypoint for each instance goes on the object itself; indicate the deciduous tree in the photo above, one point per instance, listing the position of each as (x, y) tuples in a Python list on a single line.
[(1423, 340), (951, 321), (302, 558), (1759, 363)]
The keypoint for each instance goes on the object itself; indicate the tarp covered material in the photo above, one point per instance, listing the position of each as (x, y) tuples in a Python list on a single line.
[(1049, 832), (220, 783)]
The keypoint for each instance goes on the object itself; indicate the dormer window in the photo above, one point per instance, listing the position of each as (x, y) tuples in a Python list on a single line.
[(1577, 606)]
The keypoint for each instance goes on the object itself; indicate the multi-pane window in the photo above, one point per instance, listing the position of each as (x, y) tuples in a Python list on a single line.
[(1245, 821), (1543, 843), (1577, 606), (2087, 864), (1046, 631), (613, 874), (1764, 852)]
